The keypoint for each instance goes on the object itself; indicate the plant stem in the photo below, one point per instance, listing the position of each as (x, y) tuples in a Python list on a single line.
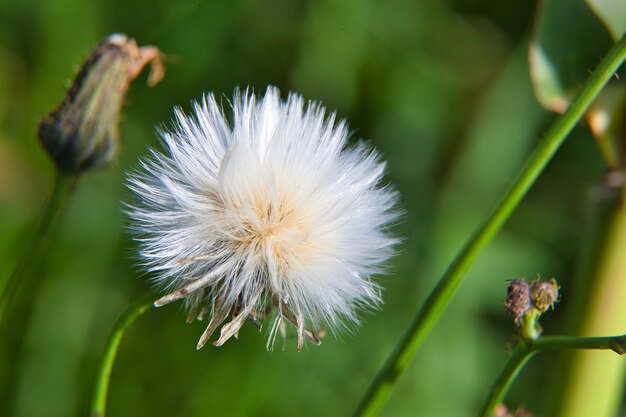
[(440, 297), (527, 348), (62, 189), (101, 386), (591, 384), (21, 288)]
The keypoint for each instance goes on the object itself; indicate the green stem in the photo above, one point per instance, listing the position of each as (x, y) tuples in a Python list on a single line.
[(380, 390), (62, 189), (526, 349), (21, 288), (101, 387), (588, 384)]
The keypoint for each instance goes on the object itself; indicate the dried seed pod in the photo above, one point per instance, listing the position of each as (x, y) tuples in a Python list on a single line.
[(271, 212), (517, 301), (543, 294), (82, 133)]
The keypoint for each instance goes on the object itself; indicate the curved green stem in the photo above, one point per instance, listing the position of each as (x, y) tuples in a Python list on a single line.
[(101, 387), (62, 189), (440, 297), (526, 349)]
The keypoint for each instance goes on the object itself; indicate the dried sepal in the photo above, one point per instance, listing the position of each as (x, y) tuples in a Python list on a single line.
[(217, 318), (191, 287), (297, 321), (205, 302)]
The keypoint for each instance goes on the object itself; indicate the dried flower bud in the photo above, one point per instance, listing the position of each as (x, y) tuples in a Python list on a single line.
[(517, 301), (543, 294), (81, 134)]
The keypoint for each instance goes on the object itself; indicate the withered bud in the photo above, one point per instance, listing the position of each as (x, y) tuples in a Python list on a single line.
[(517, 301), (543, 294), (82, 133)]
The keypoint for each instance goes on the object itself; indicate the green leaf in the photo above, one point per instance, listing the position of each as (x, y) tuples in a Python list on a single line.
[(606, 119), (568, 42), (612, 13), (546, 82), (569, 37)]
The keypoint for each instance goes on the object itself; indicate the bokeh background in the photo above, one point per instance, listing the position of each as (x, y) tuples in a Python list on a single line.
[(442, 88)]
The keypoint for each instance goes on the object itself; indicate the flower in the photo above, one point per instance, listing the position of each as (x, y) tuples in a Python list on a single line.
[(276, 214)]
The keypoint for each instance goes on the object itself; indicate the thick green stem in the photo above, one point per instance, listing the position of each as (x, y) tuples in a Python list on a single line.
[(101, 386), (62, 189), (526, 349), (594, 384), (440, 297)]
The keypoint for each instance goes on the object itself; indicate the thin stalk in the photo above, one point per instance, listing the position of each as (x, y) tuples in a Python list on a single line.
[(382, 386), (22, 287), (101, 386), (526, 349), (62, 189)]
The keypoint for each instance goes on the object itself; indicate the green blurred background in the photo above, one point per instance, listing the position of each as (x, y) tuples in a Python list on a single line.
[(441, 87)]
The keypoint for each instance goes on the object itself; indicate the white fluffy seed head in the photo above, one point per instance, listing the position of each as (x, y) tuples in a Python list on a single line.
[(273, 210)]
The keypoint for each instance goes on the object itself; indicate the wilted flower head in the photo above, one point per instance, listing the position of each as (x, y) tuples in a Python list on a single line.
[(272, 213), (527, 302), (81, 134)]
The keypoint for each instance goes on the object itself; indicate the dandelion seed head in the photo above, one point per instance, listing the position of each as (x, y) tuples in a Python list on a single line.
[(272, 212)]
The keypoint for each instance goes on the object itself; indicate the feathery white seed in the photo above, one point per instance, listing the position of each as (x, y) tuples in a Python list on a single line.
[(274, 212)]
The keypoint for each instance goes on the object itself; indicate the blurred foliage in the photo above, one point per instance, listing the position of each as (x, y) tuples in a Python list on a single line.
[(612, 13), (441, 87), (568, 40)]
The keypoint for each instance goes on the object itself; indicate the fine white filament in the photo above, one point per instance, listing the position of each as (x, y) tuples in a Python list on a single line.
[(273, 212)]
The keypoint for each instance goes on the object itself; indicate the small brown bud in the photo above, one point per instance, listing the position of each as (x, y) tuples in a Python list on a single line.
[(81, 134), (544, 294), (517, 301)]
